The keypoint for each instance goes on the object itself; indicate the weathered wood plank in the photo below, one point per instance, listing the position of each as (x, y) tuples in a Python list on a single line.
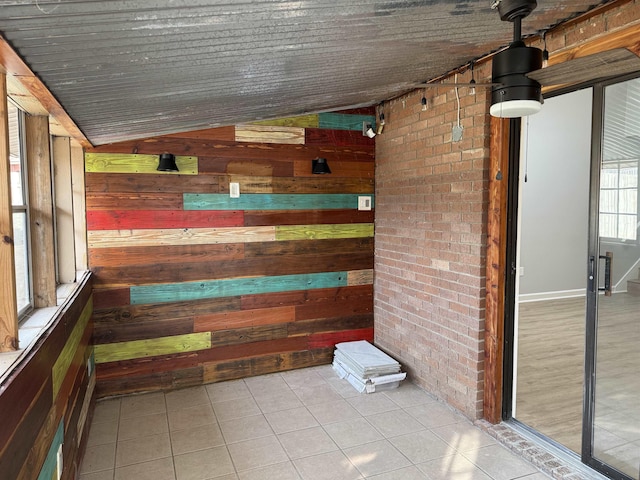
[(106, 331), (157, 219), (271, 201), (48, 469), (261, 167), (247, 335), (307, 217), (126, 257), (219, 133), (255, 349), (112, 352), (319, 136), (318, 247), (236, 286), (336, 307), (273, 184), (303, 121), (147, 365), (341, 121), (133, 183), (360, 277), (270, 134), (243, 318), (356, 169), (324, 340), (184, 236), (154, 381), (136, 163), (310, 327), (310, 232), (304, 297), (111, 297), (134, 201)]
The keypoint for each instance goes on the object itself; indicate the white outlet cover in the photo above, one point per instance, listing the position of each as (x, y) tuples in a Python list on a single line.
[(59, 465), (234, 190), (364, 203)]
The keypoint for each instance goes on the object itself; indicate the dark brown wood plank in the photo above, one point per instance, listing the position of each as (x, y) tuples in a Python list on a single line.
[(238, 336), (334, 307), (243, 318), (134, 201), (110, 298), (309, 327), (106, 331), (254, 349), (306, 217), (323, 136), (132, 183), (303, 297), (301, 247), (139, 367), (186, 377)]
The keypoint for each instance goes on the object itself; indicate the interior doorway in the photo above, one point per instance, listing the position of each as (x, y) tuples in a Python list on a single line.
[(576, 303)]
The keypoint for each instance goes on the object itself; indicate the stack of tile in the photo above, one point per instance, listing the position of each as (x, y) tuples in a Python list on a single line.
[(366, 367)]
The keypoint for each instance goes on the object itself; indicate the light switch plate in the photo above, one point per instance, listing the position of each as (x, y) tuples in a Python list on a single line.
[(234, 190), (364, 203)]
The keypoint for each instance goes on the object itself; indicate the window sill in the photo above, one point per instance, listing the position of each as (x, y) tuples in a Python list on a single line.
[(35, 324)]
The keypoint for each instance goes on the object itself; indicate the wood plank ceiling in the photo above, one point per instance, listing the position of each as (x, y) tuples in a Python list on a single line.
[(124, 69)]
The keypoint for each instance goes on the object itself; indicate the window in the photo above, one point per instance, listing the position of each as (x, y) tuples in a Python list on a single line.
[(20, 209), (619, 200)]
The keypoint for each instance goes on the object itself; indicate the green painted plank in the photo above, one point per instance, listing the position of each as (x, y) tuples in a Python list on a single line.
[(63, 362), (190, 342), (49, 469), (305, 121), (178, 292), (321, 232), (271, 201), (341, 121), (135, 163)]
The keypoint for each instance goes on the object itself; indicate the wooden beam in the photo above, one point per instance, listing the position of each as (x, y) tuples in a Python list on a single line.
[(495, 283), (41, 211), (8, 307), (64, 209), (13, 65)]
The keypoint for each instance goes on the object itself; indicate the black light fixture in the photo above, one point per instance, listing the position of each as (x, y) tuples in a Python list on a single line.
[(167, 163), (515, 95), (319, 166)]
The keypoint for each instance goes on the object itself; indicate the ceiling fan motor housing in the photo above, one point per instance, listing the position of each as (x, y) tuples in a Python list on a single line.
[(509, 70)]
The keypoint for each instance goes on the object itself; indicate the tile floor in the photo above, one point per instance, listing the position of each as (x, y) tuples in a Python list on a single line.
[(305, 424)]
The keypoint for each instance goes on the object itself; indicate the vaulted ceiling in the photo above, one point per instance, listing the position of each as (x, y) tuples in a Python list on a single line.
[(125, 69)]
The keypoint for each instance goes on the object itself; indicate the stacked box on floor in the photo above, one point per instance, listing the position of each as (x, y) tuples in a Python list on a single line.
[(366, 367)]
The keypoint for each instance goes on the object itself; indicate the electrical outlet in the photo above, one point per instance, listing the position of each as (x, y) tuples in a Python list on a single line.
[(59, 464), (522, 271), (234, 190), (364, 203)]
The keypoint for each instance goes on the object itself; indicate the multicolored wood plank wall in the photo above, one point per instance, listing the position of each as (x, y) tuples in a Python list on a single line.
[(46, 401), (193, 286)]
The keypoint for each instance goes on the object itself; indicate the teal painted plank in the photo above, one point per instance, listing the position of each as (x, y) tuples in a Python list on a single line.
[(178, 292), (51, 462), (271, 201), (341, 121)]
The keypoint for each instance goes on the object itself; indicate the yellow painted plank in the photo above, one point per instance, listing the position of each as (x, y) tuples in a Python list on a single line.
[(360, 277), (304, 121), (63, 362), (135, 163), (190, 342), (270, 134), (179, 236), (319, 232)]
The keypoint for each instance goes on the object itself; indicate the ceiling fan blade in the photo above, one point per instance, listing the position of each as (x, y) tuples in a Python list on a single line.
[(618, 61)]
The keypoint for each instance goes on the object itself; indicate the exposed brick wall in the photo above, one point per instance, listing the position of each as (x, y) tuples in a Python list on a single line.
[(431, 202)]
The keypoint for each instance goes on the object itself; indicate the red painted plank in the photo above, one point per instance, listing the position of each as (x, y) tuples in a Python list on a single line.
[(343, 138), (129, 219), (323, 340)]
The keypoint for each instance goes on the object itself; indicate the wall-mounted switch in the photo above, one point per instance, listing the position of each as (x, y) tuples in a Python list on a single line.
[(364, 203), (234, 190)]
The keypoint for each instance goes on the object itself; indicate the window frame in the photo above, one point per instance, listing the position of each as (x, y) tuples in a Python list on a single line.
[(619, 165)]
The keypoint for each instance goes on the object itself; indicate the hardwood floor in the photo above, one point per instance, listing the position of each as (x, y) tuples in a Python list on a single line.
[(550, 366)]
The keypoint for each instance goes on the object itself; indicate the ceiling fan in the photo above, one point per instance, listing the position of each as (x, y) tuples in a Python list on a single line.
[(517, 74)]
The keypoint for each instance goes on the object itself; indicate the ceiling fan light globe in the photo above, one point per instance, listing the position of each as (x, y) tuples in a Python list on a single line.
[(515, 108)]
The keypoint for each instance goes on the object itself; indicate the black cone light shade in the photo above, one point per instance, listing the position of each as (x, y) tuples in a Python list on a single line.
[(320, 166), (167, 163)]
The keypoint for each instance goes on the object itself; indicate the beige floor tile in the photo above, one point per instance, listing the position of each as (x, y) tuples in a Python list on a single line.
[(452, 467), (107, 410), (142, 426), (101, 433), (194, 439), (352, 433), (103, 475), (98, 457), (327, 466), (408, 395), (500, 463), (372, 403), (463, 436), (406, 473), (395, 423), (241, 407), (245, 428), (308, 442), (191, 417), (311, 395), (290, 420), (143, 449), (147, 404), (325, 371), (161, 469), (225, 391), (332, 412), (304, 377), (204, 464), (186, 398), (280, 471), (275, 402), (376, 457), (433, 415), (266, 384), (257, 453), (421, 446), (343, 388)]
